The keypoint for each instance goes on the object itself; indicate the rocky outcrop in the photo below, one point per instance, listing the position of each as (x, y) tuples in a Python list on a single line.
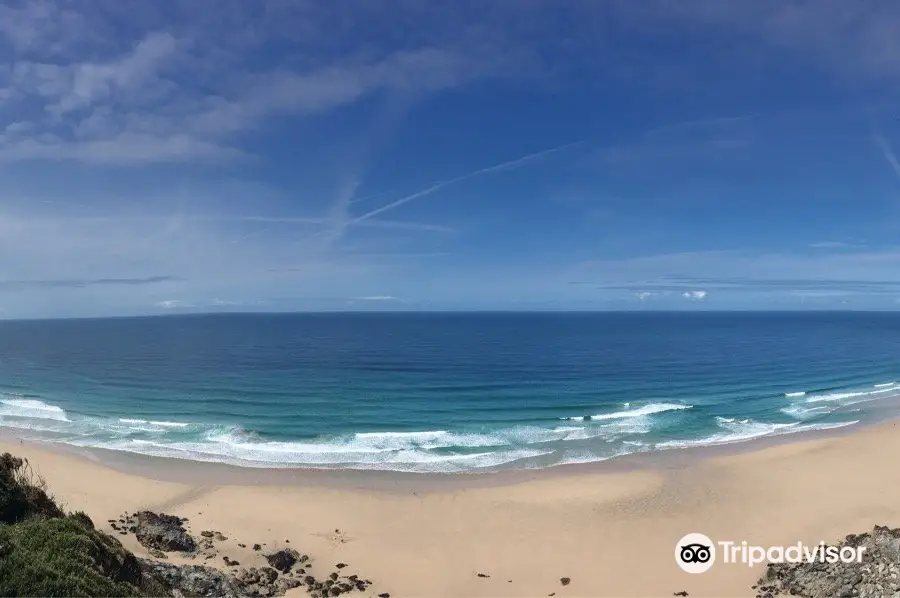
[(161, 532), (288, 568), (876, 575), (192, 580), (283, 560)]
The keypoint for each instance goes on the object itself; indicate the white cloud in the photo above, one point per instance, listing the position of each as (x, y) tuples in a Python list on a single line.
[(174, 304), (694, 295), (829, 245), (377, 298), (186, 83), (236, 303), (874, 266), (644, 295), (856, 39)]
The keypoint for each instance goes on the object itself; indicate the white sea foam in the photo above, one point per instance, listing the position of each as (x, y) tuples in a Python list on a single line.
[(814, 404), (320, 455), (30, 408), (741, 430), (806, 411), (650, 409), (154, 423), (604, 436), (795, 394), (854, 396)]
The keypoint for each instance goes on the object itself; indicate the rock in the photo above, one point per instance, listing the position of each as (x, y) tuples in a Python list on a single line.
[(875, 576), (385, 595), (242, 545), (683, 593), (157, 554), (483, 575), (286, 583), (283, 560), (163, 532), (221, 537), (341, 565), (565, 581), (207, 534), (257, 547), (192, 580)]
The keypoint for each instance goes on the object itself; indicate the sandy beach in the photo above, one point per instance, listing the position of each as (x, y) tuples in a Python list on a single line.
[(611, 530)]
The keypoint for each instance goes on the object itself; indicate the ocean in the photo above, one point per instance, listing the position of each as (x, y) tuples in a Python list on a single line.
[(442, 392)]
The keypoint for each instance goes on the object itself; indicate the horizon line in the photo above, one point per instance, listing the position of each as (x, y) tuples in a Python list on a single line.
[(472, 311)]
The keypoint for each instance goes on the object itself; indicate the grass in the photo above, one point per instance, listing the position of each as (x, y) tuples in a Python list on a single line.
[(63, 556), (46, 552), (23, 493)]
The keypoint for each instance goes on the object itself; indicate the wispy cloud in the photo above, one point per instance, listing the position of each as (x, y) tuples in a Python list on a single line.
[(178, 90), (714, 123), (378, 298), (853, 39), (829, 245), (694, 276), (22, 285), (237, 218), (685, 140)]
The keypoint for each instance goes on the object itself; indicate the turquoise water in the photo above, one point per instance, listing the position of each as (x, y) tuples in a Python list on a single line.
[(442, 392)]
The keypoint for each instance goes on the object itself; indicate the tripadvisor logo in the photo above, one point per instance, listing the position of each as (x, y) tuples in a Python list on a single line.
[(697, 553)]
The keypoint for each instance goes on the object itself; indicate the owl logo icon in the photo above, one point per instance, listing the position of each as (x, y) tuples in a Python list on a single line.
[(695, 553)]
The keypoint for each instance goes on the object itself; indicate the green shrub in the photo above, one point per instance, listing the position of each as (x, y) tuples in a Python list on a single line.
[(64, 557), (44, 552), (83, 518), (22, 493)]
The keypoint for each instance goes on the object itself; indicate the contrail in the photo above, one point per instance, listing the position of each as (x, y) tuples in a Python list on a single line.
[(889, 154), (251, 235), (440, 185)]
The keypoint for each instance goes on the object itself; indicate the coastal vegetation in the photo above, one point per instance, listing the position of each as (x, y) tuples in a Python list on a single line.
[(47, 551)]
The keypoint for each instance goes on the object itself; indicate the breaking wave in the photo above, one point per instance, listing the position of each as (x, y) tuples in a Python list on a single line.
[(632, 428)]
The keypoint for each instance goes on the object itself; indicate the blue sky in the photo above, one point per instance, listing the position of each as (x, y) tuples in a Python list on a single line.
[(164, 157)]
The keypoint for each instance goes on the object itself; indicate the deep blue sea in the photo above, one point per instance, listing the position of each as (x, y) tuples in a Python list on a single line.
[(441, 392)]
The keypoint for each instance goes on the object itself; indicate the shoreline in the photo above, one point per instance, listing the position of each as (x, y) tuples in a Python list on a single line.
[(609, 527), (178, 470)]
